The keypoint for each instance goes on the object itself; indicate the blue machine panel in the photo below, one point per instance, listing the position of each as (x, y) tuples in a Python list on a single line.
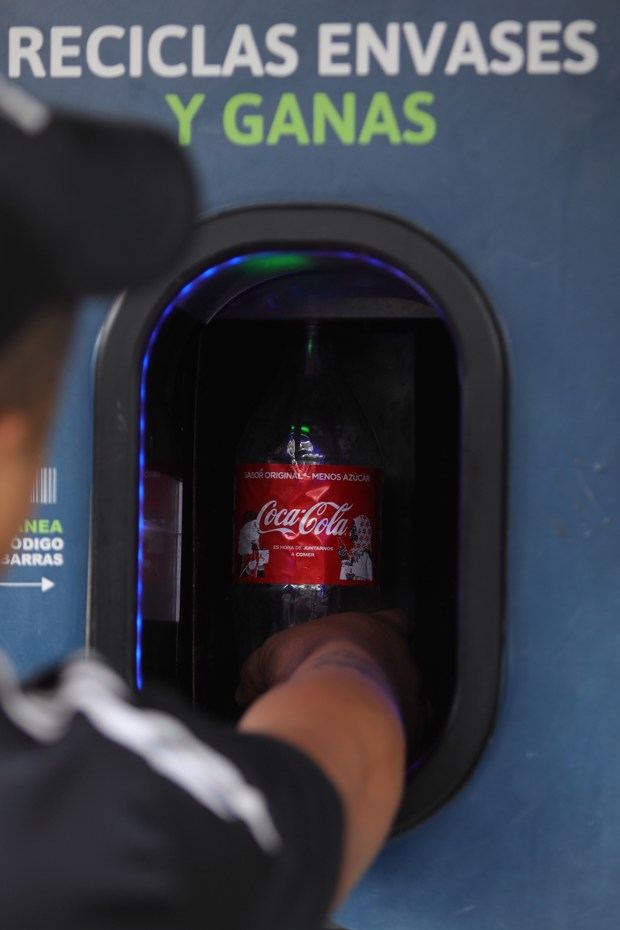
[(495, 127)]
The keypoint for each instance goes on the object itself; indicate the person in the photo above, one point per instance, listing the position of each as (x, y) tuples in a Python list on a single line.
[(356, 563), (125, 811), (248, 545)]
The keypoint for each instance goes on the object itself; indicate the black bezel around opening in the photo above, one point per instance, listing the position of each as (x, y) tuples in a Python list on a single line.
[(112, 588)]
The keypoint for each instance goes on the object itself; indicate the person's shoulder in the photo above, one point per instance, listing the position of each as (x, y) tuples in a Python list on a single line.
[(240, 819)]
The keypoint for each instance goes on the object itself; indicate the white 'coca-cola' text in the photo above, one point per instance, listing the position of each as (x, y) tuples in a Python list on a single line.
[(323, 518)]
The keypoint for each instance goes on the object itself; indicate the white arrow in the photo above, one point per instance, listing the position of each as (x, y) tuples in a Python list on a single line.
[(45, 584)]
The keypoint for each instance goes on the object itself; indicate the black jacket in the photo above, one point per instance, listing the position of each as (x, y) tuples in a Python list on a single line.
[(115, 815)]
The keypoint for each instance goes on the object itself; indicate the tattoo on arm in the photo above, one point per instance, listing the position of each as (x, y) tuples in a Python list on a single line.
[(349, 659)]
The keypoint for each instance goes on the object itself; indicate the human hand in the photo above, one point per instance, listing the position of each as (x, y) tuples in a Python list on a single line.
[(374, 645)]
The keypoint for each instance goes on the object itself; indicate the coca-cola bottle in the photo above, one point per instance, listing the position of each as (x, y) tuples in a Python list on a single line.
[(307, 500)]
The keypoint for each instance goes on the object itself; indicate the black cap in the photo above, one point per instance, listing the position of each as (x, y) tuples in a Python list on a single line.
[(86, 205)]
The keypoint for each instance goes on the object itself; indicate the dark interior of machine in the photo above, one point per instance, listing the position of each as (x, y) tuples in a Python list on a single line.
[(204, 378)]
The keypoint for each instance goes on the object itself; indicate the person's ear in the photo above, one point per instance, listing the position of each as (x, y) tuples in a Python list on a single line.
[(19, 460)]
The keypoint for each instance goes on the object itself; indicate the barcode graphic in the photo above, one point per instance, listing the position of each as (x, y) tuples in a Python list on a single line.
[(45, 490)]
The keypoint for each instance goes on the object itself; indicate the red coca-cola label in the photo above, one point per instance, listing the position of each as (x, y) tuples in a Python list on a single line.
[(306, 524)]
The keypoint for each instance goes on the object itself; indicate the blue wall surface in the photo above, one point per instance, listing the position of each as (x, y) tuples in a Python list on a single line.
[(521, 181)]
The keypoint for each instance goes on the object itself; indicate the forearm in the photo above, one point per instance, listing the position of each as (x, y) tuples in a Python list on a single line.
[(337, 708)]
